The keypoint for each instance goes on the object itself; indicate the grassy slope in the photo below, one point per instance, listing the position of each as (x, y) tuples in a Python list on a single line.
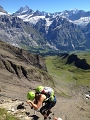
[(68, 77)]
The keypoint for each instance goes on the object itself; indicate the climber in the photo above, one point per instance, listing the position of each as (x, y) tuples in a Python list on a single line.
[(42, 95)]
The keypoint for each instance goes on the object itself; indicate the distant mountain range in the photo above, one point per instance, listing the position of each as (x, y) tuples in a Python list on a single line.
[(46, 33), (79, 17)]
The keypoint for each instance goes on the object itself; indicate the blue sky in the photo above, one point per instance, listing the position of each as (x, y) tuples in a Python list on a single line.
[(45, 5)]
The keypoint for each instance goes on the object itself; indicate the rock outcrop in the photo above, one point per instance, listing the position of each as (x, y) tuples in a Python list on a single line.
[(73, 59), (79, 63)]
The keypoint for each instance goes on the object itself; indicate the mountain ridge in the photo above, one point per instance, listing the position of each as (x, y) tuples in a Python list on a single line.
[(72, 15), (50, 32)]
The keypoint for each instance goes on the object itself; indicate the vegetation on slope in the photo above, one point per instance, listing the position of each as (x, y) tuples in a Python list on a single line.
[(67, 76), (5, 116)]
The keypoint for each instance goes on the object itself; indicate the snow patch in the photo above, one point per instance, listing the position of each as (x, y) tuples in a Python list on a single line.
[(82, 21), (48, 22), (1, 13), (31, 19)]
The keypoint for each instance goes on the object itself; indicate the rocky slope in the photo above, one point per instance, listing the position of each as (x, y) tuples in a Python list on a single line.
[(76, 108), (20, 72), (19, 68)]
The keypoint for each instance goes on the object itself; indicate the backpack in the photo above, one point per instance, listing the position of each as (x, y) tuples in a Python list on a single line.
[(49, 92)]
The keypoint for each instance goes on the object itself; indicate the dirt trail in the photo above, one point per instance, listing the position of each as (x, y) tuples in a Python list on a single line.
[(72, 109)]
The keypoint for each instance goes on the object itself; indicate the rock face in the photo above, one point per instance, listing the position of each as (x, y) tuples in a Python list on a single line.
[(22, 55), (15, 31), (80, 63)]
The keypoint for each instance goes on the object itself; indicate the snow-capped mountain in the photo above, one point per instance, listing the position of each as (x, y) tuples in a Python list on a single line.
[(24, 11), (69, 13), (29, 15), (79, 17), (39, 31), (83, 21)]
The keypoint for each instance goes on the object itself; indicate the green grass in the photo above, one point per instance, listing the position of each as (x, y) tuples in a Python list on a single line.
[(5, 116), (67, 76), (57, 68)]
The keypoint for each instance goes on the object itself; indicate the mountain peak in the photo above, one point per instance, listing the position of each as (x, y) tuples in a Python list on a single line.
[(24, 10), (2, 10)]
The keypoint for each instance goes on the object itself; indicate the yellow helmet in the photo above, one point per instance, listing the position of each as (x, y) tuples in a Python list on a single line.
[(39, 89), (31, 95)]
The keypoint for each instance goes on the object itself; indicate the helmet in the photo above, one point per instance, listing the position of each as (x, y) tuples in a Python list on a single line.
[(30, 95), (39, 89)]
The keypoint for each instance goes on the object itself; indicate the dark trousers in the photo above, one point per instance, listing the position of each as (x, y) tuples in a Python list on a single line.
[(48, 105)]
